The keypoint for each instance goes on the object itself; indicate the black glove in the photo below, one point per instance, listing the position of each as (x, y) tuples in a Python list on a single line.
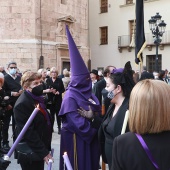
[(89, 114), (4, 164)]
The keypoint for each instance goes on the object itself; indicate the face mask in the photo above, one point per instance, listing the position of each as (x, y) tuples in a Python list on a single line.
[(12, 71), (38, 90), (110, 95)]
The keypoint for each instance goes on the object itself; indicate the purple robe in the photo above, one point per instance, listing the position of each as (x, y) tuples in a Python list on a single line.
[(77, 134), (87, 147)]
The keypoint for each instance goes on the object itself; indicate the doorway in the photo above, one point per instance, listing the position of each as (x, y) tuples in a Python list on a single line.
[(66, 64)]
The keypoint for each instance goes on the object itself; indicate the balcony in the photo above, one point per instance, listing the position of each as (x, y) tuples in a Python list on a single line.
[(125, 40), (131, 1)]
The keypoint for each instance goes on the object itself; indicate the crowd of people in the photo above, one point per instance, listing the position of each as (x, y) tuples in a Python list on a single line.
[(75, 99)]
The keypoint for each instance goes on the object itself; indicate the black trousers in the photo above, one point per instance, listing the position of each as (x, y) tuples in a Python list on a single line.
[(5, 128), (36, 165), (6, 120), (54, 110)]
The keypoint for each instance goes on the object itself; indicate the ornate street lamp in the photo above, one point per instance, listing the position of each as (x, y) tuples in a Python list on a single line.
[(157, 26)]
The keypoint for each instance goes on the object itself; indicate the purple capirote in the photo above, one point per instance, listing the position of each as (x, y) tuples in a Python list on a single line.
[(77, 134)]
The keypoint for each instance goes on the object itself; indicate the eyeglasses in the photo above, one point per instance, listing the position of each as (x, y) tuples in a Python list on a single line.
[(12, 67)]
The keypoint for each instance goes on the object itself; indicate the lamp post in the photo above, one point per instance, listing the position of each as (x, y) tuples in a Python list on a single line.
[(157, 26)]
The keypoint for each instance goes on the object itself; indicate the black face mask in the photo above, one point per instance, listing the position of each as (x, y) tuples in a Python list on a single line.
[(38, 90)]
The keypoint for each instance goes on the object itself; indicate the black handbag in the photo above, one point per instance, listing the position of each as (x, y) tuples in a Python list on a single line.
[(25, 153)]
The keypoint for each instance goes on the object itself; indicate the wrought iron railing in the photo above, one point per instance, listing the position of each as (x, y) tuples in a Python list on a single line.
[(131, 1), (125, 40)]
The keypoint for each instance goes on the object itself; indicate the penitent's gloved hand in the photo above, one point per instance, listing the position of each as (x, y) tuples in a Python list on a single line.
[(4, 164), (89, 114)]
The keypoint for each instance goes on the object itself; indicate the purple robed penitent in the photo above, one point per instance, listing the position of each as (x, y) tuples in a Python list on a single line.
[(77, 134)]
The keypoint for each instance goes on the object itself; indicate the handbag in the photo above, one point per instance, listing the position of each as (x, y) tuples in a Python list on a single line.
[(25, 153)]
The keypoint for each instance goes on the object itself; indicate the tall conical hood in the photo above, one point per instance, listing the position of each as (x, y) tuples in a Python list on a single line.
[(79, 90), (78, 66), (80, 76)]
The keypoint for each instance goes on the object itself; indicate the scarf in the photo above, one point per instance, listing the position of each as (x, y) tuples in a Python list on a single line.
[(40, 101)]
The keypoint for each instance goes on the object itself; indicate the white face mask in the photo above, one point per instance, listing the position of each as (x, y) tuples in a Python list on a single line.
[(12, 71)]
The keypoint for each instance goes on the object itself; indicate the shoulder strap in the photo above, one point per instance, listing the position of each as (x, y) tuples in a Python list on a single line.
[(145, 147)]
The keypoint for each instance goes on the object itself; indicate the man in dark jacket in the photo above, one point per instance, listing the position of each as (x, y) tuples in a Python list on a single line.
[(98, 88), (12, 89)]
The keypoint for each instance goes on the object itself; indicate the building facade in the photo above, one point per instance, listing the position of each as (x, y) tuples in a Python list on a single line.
[(111, 28), (32, 32)]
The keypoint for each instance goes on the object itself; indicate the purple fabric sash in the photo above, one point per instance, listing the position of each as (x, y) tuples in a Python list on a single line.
[(40, 100), (145, 147)]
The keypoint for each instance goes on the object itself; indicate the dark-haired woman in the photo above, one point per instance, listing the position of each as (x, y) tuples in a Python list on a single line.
[(119, 86), (119, 93)]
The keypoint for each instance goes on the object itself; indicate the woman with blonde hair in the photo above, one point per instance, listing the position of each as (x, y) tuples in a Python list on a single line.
[(66, 79), (55, 97), (147, 146)]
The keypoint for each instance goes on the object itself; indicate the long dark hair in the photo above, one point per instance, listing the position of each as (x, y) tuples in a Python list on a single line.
[(124, 79)]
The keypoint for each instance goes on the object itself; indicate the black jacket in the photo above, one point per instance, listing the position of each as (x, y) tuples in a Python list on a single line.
[(97, 89), (128, 153), (58, 85), (111, 128), (38, 135), (11, 85)]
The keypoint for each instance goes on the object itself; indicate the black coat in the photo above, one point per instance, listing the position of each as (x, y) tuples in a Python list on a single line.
[(38, 135), (97, 89), (58, 85), (111, 128), (11, 85), (128, 153)]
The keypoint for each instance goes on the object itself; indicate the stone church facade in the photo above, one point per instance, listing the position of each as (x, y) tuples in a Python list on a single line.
[(32, 32)]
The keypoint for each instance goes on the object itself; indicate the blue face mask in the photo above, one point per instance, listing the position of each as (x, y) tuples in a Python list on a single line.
[(12, 71)]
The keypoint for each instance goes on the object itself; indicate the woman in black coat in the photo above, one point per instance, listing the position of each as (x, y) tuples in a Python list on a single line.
[(119, 85), (55, 97), (149, 123), (38, 136)]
